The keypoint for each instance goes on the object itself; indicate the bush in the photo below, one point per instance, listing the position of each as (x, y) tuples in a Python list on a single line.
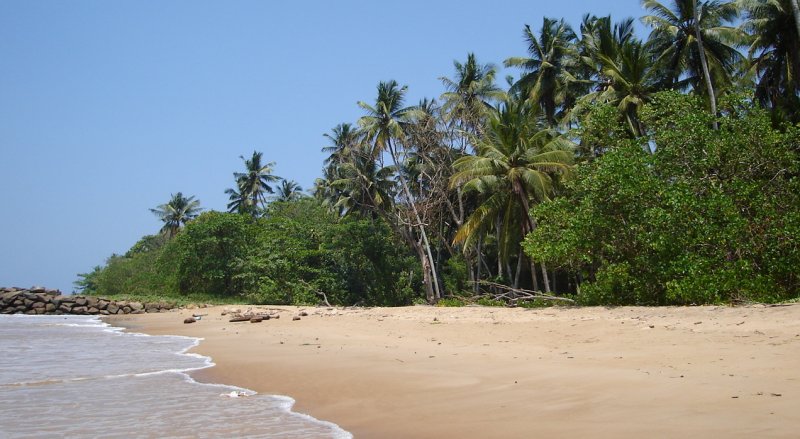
[(709, 217)]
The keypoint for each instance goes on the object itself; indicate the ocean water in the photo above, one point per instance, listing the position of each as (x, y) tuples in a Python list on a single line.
[(75, 376)]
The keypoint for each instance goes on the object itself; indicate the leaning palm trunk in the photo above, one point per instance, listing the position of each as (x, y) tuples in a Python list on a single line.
[(796, 12), (704, 63), (430, 264), (531, 225)]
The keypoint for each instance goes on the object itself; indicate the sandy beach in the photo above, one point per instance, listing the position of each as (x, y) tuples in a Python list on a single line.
[(474, 372)]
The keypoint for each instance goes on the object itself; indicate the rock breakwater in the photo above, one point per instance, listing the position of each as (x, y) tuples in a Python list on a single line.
[(39, 300)]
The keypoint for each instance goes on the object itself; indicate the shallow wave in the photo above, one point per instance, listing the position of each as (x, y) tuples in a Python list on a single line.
[(129, 378)]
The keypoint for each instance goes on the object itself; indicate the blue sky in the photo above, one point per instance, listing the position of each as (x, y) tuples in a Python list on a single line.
[(108, 107)]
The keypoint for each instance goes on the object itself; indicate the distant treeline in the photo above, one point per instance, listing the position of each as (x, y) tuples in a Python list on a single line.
[(613, 169)]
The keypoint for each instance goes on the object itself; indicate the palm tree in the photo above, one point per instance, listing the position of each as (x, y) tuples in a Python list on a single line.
[(692, 38), (360, 185), (469, 93), (383, 124), (344, 139), (774, 51), (627, 72), (546, 72), (252, 185), (289, 190), (516, 164), (176, 213), (239, 202)]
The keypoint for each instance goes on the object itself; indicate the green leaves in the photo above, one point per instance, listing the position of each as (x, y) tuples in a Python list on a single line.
[(704, 219)]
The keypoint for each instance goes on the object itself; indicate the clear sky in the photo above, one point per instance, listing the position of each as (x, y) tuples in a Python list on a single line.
[(108, 107)]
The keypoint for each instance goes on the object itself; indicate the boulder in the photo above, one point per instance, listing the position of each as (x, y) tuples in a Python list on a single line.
[(189, 320), (37, 305), (126, 309), (102, 303), (49, 307), (39, 311), (81, 301), (92, 301), (66, 307), (62, 298), (37, 290), (112, 308), (9, 296), (136, 306), (80, 310), (93, 310), (137, 311)]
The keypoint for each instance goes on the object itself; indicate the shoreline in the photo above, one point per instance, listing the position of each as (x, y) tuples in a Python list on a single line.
[(479, 372)]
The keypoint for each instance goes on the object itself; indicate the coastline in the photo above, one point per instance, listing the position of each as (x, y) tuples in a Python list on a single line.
[(483, 372)]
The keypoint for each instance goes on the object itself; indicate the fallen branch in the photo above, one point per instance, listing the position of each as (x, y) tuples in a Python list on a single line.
[(514, 295), (319, 293)]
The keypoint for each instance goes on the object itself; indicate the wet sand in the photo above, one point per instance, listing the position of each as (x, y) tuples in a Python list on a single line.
[(474, 372)]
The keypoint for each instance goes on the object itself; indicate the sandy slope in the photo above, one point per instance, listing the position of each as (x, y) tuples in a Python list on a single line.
[(491, 372)]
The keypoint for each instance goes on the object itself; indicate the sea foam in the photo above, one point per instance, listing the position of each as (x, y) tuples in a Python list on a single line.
[(76, 376)]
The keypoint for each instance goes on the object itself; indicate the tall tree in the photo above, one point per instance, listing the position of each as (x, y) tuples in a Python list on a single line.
[(547, 69), (383, 125), (470, 93), (628, 75), (693, 38), (516, 164), (176, 212), (252, 185), (289, 190), (774, 52)]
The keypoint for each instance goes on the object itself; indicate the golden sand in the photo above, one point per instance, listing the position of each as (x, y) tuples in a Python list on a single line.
[(479, 372)]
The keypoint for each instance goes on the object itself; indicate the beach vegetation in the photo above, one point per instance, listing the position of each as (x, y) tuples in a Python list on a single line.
[(614, 169)]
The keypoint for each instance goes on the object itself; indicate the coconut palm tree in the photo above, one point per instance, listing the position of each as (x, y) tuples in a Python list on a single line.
[(774, 51), (289, 190), (361, 186), (516, 164), (470, 93), (344, 138), (383, 125), (176, 212), (627, 74), (547, 69), (692, 37), (252, 186)]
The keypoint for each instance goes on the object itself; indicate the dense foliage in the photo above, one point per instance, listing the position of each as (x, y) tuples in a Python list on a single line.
[(710, 216), (295, 250), (616, 168)]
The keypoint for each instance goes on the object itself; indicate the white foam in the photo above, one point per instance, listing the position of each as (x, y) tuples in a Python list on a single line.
[(91, 324)]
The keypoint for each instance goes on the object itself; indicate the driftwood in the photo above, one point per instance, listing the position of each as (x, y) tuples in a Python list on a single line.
[(247, 317), (514, 295), (319, 293)]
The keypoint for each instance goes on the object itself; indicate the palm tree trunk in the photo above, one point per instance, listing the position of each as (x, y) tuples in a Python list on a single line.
[(531, 226), (534, 277), (432, 267), (478, 268), (519, 270), (704, 63), (498, 225), (796, 12), (544, 275)]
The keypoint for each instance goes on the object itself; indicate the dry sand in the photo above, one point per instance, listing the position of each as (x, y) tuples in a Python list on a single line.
[(514, 373)]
